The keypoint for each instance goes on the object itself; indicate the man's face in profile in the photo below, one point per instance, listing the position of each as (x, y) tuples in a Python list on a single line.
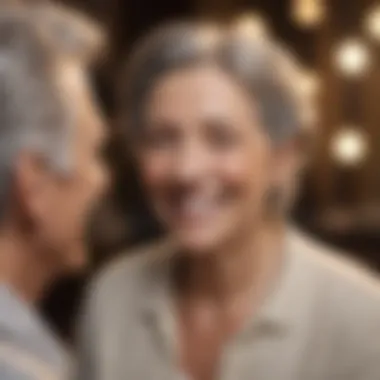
[(67, 201)]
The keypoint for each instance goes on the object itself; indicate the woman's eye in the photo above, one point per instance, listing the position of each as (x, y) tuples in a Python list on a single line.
[(222, 136)]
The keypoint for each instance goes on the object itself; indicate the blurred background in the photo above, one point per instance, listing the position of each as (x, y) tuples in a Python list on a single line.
[(338, 42)]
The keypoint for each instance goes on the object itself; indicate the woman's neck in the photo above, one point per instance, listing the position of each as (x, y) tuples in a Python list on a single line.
[(243, 266)]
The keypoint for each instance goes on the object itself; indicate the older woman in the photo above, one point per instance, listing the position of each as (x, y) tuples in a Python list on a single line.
[(232, 292)]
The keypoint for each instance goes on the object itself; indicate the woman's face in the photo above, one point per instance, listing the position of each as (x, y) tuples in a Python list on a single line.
[(203, 158)]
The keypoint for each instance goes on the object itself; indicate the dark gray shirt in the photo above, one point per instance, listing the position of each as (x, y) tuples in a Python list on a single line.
[(28, 348)]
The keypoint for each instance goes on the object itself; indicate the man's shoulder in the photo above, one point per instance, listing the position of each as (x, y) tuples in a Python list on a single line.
[(17, 363), (24, 333), (11, 372), (33, 353)]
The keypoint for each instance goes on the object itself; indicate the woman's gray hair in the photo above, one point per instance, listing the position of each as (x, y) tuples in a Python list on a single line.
[(262, 66), (34, 115)]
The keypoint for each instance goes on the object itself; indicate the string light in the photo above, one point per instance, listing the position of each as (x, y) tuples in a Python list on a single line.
[(372, 22), (349, 146), (352, 57), (308, 13), (309, 85), (252, 24)]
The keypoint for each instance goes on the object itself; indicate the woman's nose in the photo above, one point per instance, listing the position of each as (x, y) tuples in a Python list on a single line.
[(191, 164)]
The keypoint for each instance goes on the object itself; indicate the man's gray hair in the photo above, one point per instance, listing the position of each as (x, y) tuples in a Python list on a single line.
[(33, 112), (262, 66)]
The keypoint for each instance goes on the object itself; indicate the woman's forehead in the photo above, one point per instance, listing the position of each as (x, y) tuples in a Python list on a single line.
[(201, 88)]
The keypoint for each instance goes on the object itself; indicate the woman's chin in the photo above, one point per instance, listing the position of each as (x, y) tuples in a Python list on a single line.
[(198, 244)]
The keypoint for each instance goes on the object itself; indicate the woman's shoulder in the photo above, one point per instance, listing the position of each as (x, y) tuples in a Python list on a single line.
[(129, 269), (346, 301), (340, 279)]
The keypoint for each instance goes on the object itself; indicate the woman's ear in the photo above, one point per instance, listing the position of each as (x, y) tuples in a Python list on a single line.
[(287, 163), (286, 167)]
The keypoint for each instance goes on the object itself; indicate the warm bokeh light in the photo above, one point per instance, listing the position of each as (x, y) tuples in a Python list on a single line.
[(252, 24), (352, 57), (372, 22), (308, 13), (309, 86), (349, 146)]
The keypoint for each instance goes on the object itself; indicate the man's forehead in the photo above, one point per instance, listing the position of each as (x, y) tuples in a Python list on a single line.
[(77, 92), (72, 77), (84, 112)]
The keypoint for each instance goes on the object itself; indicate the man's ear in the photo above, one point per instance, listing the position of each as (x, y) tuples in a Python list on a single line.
[(30, 180)]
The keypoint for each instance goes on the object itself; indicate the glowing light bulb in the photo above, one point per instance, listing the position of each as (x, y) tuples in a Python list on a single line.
[(252, 24), (308, 13), (372, 22), (352, 58), (349, 146)]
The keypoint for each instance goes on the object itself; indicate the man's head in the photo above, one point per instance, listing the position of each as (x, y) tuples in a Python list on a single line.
[(51, 132)]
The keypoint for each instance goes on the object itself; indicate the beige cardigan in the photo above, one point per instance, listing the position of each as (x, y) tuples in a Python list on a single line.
[(321, 323)]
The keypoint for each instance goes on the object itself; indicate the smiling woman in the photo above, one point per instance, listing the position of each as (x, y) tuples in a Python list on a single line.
[(228, 80), (201, 155), (215, 124)]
